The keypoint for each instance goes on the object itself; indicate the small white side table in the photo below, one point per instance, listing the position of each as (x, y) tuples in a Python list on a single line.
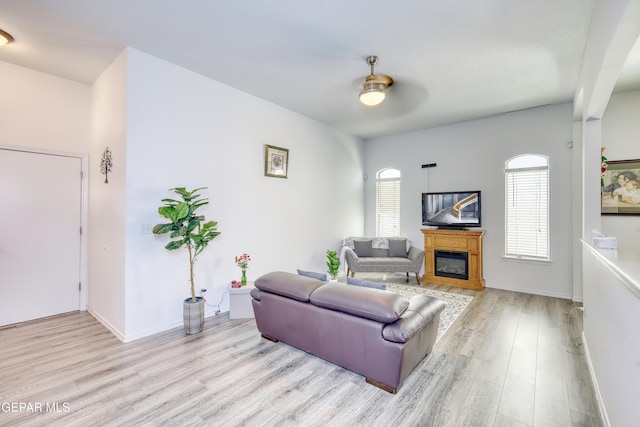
[(240, 302)]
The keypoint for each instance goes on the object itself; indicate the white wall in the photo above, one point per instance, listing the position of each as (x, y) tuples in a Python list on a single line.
[(615, 27), (107, 210), (471, 156), (620, 130), (612, 315), (167, 127), (613, 31), (41, 111), (183, 129)]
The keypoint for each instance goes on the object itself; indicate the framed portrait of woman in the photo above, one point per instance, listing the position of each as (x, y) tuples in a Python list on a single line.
[(621, 188)]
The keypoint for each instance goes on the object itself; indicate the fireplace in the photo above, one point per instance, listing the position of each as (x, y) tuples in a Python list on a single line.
[(458, 250), (452, 264)]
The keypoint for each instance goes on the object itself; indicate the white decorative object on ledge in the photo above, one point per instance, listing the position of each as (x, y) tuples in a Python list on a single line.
[(601, 241), (605, 242)]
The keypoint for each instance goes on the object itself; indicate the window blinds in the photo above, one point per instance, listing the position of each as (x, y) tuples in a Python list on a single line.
[(388, 207), (527, 212)]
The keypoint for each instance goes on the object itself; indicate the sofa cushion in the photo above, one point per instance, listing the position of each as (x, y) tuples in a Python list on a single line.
[(398, 248), (363, 248), (288, 285), (374, 304), (379, 253), (365, 283), (376, 242), (319, 276), (388, 264)]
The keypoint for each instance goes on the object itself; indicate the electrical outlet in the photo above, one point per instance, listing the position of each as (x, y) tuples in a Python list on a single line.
[(146, 228)]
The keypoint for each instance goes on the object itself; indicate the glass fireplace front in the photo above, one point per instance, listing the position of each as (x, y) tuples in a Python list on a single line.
[(452, 264)]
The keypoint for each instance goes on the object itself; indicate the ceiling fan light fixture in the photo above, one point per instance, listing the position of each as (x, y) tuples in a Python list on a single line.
[(375, 85), (5, 38), (372, 94)]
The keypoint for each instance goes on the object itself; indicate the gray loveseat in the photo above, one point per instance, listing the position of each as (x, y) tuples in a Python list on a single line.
[(382, 255), (375, 333)]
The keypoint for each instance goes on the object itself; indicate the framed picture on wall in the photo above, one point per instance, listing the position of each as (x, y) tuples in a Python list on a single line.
[(276, 161), (621, 188)]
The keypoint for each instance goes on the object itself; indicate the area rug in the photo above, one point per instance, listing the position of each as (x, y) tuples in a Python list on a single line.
[(455, 303)]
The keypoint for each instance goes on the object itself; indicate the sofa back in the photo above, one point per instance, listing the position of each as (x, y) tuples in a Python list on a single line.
[(373, 304), (378, 247), (288, 285)]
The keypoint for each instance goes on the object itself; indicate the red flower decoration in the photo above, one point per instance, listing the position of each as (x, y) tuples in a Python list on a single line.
[(243, 261)]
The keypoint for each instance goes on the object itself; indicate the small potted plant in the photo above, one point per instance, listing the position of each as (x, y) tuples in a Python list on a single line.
[(333, 264), (190, 230)]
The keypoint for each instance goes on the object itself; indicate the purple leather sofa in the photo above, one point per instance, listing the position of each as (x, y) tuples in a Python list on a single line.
[(378, 334)]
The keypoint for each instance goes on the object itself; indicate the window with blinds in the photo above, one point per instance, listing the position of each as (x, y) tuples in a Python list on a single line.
[(388, 203), (527, 207)]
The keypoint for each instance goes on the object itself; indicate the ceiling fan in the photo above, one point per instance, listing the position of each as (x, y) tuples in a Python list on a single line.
[(375, 85)]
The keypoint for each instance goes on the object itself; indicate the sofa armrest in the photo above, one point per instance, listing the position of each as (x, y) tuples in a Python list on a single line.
[(415, 254), (422, 310), (350, 256), (255, 293)]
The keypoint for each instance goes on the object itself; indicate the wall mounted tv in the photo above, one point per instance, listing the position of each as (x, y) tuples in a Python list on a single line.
[(453, 209)]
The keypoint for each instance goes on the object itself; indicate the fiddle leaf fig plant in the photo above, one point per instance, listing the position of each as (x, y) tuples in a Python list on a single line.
[(333, 263), (185, 227)]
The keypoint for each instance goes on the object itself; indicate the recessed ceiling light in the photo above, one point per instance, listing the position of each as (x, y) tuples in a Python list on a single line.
[(5, 38)]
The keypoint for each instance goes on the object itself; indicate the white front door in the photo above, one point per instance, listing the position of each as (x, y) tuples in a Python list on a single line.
[(40, 214)]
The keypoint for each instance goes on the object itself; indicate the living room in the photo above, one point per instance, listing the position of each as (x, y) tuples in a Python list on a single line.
[(167, 126)]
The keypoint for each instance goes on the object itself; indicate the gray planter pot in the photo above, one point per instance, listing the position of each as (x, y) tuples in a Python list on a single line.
[(193, 315)]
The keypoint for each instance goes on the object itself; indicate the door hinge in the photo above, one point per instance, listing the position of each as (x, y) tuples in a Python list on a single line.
[(81, 231), (81, 175), (79, 286)]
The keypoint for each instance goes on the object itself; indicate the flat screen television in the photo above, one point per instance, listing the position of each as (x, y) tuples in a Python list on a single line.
[(452, 209)]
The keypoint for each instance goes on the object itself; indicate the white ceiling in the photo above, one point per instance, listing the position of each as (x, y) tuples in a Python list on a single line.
[(629, 78), (451, 60)]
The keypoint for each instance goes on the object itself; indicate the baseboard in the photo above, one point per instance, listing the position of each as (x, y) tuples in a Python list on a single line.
[(528, 291), (142, 334), (603, 410), (152, 331), (106, 324)]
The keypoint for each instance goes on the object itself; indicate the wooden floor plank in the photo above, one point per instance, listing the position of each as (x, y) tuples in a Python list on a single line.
[(552, 403)]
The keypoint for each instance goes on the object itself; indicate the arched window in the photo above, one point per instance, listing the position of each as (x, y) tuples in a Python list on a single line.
[(388, 203), (527, 207)]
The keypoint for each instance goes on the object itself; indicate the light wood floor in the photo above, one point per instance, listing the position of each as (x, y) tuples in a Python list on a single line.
[(511, 359)]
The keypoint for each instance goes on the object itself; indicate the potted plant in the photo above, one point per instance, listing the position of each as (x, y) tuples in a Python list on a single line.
[(333, 263), (190, 230)]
